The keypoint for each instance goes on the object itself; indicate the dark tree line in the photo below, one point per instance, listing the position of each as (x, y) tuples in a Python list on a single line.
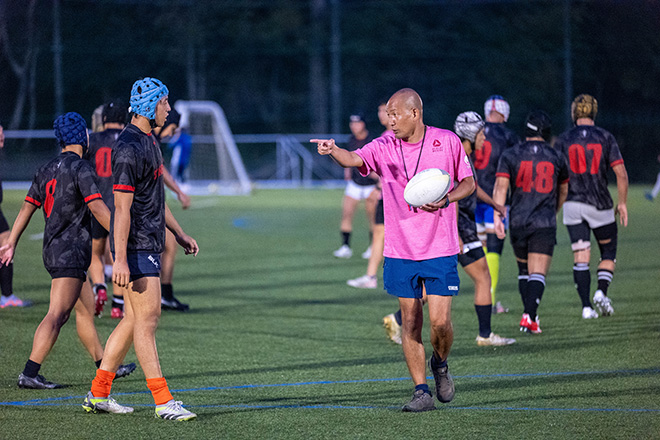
[(268, 63)]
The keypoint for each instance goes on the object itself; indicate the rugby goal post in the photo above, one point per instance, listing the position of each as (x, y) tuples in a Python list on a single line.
[(216, 166)]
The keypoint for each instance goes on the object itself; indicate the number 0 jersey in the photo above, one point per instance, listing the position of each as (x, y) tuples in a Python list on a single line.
[(63, 186), (498, 139), (137, 167), (590, 150), (99, 154), (534, 170)]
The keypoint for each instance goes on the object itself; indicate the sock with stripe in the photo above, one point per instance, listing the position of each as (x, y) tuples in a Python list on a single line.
[(582, 278), (604, 280), (535, 288)]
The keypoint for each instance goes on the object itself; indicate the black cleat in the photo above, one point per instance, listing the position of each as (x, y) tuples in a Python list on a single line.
[(36, 383), (125, 370), (173, 304)]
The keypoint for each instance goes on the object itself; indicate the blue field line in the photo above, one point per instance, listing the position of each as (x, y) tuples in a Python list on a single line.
[(53, 401)]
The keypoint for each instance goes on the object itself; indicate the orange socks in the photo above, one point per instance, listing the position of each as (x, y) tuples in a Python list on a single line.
[(159, 390), (102, 383)]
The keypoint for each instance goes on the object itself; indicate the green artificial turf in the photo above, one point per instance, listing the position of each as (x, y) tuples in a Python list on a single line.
[(276, 345)]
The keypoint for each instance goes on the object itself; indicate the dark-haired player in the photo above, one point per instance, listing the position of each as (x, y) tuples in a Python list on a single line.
[(114, 117), (8, 299), (137, 237), (591, 151), (358, 188), (65, 187), (168, 301), (537, 176), (498, 139)]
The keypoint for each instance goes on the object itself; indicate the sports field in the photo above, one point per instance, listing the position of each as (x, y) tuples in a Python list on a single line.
[(276, 345)]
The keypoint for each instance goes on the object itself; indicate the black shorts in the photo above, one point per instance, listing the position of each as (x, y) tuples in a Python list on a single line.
[(67, 272), (539, 241), (142, 264), (98, 231), (380, 214), (4, 226), (471, 256)]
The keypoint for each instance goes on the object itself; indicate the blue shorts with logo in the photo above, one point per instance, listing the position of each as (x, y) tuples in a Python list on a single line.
[(142, 264), (405, 278)]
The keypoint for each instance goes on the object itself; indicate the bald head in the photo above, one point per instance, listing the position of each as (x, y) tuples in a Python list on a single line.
[(408, 99), (404, 110)]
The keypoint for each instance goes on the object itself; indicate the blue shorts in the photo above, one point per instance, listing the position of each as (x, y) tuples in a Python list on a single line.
[(484, 215), (405, 278), (142, 264)]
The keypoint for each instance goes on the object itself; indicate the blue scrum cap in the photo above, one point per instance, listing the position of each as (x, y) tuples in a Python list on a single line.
[(70, 129), (145, 95)]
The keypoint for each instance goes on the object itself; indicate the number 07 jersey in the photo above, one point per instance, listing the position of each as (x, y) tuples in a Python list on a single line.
[(590, 150), (535, 170)]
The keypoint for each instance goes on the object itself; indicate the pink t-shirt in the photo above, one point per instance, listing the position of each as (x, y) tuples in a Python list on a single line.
[(417, 235)]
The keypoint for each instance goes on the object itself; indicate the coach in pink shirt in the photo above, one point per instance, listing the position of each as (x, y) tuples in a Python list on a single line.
[(421, 245)]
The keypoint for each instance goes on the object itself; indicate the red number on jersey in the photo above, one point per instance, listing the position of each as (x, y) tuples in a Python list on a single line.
[(50, 199), (482, 156), (543, 181), (103, 165), (577, 156), (524, 179)]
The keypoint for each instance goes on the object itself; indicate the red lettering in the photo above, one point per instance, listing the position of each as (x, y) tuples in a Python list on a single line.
[(158, 171), (482, 156), (542, 182), (103, 165), (578, 158), (50, 199)]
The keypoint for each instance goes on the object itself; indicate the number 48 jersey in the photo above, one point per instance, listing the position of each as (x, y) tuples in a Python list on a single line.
[(535, 170), (589, 151)]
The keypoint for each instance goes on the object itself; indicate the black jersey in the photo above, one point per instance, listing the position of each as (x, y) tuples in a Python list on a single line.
[(99, 154), (137, 167), (590, 151), (535, 170), (354, 144), (499, 138), (63, 186), (467, 228)]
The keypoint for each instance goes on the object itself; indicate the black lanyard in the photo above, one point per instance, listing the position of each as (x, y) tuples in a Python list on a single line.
[(405, 170)]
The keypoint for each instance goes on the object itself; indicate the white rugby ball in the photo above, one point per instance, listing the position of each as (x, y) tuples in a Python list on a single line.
[(428, 186)]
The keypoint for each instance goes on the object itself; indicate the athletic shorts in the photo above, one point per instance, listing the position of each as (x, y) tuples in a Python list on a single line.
[(358, 192), (576, 212), (472, 252), (484, 217), (405, 278), (98, 231), (4, 226), (380, 213), (539, 241), (142, 264), (67, 272)]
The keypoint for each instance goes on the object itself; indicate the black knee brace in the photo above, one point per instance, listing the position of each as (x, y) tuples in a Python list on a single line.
[(608, 235), (494, 244)]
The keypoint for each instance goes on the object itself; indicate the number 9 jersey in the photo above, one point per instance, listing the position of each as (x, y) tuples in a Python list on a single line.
[(589, 151), (535, 170)]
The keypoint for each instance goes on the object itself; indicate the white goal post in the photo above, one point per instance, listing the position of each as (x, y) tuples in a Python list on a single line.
[(216, 166)]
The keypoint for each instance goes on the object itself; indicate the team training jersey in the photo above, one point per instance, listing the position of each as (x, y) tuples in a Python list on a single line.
[(99, 154), (354, 144), (498, 139), (590, 150), (137, 167), (417, 235), (63, 186), (467, 228), (534, 170)]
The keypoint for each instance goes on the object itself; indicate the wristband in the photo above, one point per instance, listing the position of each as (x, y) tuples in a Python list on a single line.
[(446, 202)]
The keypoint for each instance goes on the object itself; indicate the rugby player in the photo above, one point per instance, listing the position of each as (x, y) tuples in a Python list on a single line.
[(537, 177), (137, 238), (498, 138), (591, 151)]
